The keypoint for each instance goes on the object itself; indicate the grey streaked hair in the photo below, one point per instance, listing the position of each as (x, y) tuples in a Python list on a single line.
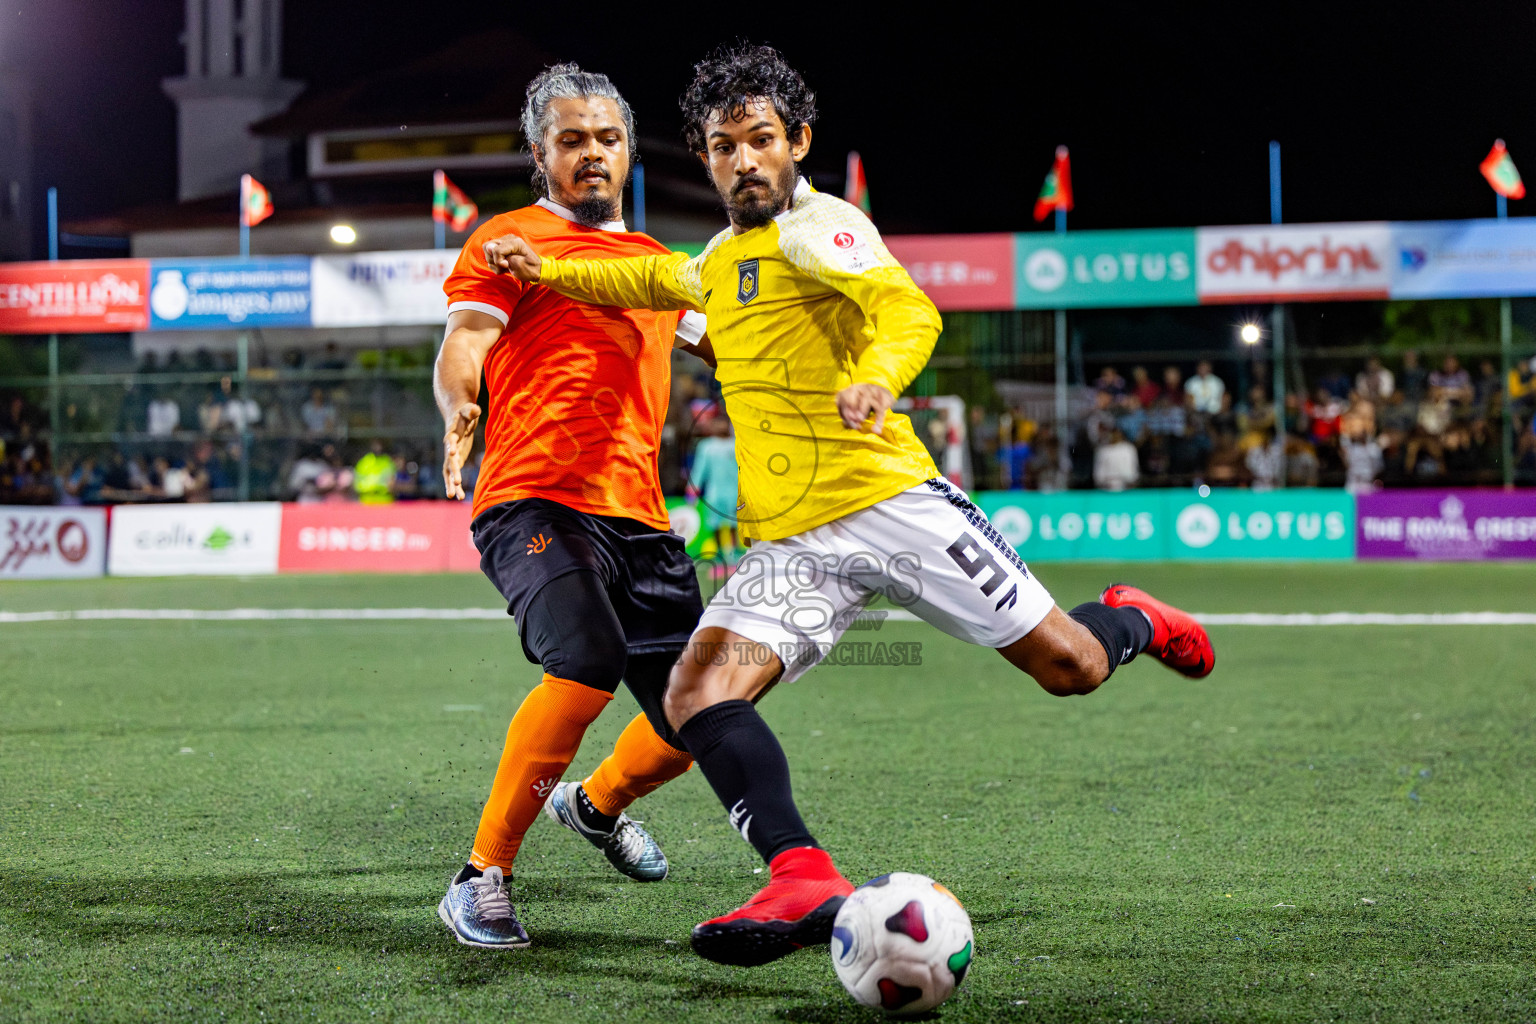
[(567, 82)]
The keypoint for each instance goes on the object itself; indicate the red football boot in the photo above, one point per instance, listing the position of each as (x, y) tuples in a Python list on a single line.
[(794, 910), (1178, 641)]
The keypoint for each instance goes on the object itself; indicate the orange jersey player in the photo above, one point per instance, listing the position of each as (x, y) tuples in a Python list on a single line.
[(568, 513)]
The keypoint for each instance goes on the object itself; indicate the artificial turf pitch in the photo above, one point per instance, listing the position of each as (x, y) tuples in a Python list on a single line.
[(255, 820)]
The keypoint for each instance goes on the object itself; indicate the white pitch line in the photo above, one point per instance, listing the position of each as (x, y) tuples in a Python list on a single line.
[(885, 614)]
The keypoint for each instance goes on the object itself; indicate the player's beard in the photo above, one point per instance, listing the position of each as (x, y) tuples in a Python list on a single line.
[(755, 210), (593, 210)]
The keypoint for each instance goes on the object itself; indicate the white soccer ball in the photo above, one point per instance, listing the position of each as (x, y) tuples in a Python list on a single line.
[(902, 942)]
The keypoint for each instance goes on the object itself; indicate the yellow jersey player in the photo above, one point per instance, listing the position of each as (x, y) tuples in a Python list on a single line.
[(816, 329)]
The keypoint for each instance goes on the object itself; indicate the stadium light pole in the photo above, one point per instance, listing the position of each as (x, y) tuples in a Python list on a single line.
[(1277, 319), (637, 185)]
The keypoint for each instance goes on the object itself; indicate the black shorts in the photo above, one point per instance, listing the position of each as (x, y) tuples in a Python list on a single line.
[(649, 578)]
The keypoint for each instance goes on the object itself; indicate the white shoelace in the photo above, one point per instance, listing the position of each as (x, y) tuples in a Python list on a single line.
[(491, 900), (629, 839)]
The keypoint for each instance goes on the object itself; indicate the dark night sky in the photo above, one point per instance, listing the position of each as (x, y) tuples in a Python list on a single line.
[(1383, 110)]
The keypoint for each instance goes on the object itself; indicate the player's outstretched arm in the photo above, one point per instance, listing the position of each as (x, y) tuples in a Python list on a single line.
[(456, 385), (635, 282)]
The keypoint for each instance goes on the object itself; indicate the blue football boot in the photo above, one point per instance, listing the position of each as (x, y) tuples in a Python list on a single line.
[(479, 912), (629, 848)]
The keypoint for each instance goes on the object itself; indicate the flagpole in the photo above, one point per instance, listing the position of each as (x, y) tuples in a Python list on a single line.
[(245, 228), (638, 187), (1506, 360), (1277, 322), (53, 224), (439, 217), (1062, 430)]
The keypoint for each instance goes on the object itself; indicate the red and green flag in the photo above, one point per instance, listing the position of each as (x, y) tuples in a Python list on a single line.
[(451, 206), (855, 188), (1056, 193), (255, 201), (1500, 171)]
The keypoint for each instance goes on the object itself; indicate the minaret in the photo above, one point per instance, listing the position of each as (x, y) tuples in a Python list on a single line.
[(234, 78)]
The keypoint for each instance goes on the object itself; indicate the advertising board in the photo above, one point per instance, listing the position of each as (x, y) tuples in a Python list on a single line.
[(1464, 258), (225, 539), (1173, 524), (959, 271), (1442, 525), (210, 294), (431, 536), (369, 289), (74, 297), (39, 543), (1082, 269), (1294, 262)]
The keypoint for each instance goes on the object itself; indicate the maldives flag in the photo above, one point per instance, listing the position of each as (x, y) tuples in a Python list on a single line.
[(1500, 171), (855, 188), (451, 206), (255, 201), (1056, 193)]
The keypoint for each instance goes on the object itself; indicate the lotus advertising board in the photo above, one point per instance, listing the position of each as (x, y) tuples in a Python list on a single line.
[(1173, 524), (52, 543), (224, 539), (1440, 525), (230, 294), (1291, 523), (1095, 269)]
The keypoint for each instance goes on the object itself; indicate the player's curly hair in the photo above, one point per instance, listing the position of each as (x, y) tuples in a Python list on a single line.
[(567, 82), (731, 77)]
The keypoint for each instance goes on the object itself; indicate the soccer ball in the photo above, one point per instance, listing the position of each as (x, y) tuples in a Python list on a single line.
[(901, 942)]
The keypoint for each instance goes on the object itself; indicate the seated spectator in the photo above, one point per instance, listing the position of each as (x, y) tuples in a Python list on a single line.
[(1264, 459), (1224, 467), (1115, 464), (1225, 422), (1143, 387), (305, 475), (1375, 382), (1131, 419), (1173, 385), (210, 413), (1045, 471), (374, 476), (1110, 382), (1204, 390), (1363, 462), (1166, 417), (319, 415), (1451, 383), (1487, 389), (1301, 462), (1323, 412), (1413, 380), (164, 416), (1100, 423), (1258, 417)]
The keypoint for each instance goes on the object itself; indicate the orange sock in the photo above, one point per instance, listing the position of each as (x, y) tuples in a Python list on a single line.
[(640, 763), (543, 737)]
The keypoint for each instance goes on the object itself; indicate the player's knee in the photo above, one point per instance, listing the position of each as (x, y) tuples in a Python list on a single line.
[(1068, 677), (680, 702), (597, 661)]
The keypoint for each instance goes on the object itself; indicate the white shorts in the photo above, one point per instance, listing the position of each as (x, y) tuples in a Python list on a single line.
[(928, 549)]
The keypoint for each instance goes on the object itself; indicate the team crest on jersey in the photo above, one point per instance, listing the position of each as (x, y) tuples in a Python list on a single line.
[(746, 281)]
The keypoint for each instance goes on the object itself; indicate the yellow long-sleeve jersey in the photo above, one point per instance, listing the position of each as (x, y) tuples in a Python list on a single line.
[(798, 310)]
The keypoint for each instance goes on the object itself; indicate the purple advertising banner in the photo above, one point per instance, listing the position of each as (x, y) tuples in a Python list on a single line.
[(1446, 525)]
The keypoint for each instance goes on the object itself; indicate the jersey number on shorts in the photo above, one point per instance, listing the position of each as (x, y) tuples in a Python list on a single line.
[(974, 564)]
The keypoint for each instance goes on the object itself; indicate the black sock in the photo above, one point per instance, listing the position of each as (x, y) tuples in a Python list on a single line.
[(470, 871), (590, 816), (1124, 632), (746, 767)]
